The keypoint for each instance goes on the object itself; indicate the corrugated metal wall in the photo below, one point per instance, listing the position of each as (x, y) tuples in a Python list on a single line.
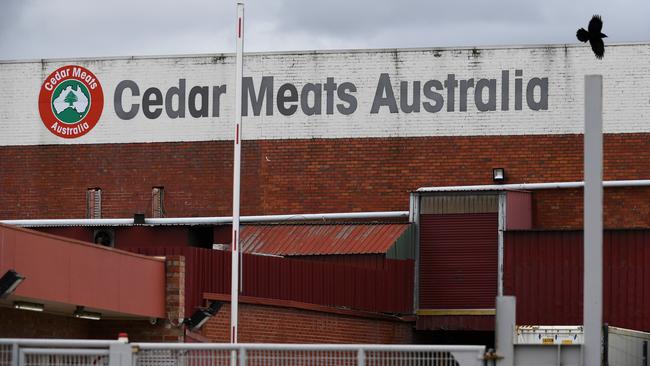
[(459, 203), (544, 269), (458, 261), (332, 284), (404, 247), (372, 261)]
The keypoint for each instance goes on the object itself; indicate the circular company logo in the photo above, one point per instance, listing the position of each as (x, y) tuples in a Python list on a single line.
[(71, 101)]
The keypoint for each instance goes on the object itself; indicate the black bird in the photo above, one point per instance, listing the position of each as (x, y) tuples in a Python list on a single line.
[(594, 36)]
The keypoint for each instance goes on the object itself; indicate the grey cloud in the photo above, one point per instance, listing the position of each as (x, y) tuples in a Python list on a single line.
[(45, 28)]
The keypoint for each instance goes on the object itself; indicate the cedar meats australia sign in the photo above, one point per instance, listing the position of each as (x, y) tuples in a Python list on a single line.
[(71, 98), (71, 101), (328, 95)]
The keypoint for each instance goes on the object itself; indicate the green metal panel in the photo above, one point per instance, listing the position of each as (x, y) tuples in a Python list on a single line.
[(404, 247)]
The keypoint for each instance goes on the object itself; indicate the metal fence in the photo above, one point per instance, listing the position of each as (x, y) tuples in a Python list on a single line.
[(306, 354), (625, 347), (55, 352), (22, 352)]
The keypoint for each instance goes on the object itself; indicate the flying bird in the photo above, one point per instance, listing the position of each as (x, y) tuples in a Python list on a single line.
[(594, 36)]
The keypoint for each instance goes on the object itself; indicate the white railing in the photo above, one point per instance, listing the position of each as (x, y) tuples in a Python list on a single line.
[(73, 352), (22, 352), (305, 354)]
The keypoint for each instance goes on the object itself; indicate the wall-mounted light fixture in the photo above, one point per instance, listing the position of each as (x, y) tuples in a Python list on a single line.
[(202, 315), (81, 313), (9, 281), (499, 175), (31, 306)]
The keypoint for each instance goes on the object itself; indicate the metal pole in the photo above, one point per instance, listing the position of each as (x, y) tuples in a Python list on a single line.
[(593, 218), (234, 285), (506, 320), (14, 354)]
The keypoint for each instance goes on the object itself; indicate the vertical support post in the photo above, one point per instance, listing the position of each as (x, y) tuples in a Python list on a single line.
[(242, 356), (414, 217), (14, 354), (644, 360), (502, 205), (120, 354), (234, 284), (593, 221), (506, 319), (605, 344), (361, 357)]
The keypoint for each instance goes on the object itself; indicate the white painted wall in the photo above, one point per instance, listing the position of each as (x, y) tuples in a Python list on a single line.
[(625, 70)]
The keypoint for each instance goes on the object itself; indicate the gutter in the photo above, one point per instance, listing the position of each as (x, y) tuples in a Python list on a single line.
[(208, 220)]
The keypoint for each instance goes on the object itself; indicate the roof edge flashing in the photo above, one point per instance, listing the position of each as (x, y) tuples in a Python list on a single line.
[(532, 186)]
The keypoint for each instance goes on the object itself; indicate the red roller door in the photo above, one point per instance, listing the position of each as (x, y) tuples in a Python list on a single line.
[(458, 261)]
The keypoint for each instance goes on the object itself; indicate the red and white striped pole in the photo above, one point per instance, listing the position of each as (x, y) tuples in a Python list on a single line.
[(239, 68)]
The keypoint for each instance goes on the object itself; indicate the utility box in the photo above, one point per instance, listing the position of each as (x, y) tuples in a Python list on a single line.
[(548, 345), (549, 335)]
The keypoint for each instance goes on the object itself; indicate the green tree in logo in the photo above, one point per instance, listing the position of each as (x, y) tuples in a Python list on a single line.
[(70, 101), (70, 98)]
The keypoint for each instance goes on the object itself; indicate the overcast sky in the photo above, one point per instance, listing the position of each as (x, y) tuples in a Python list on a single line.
[(34, 29)]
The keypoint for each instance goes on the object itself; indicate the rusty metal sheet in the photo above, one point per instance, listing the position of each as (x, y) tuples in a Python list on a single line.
[(294, 240)]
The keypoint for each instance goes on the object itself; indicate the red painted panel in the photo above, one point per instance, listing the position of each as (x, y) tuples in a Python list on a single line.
[(544, 270), (455, 322), (458, 261), (371, 261), (70, 272), (72, 232), (128, 236), (142, 236), (519, 210), (380, 290)]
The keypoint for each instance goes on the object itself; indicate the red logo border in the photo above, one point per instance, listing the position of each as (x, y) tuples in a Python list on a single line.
[(90, 119)]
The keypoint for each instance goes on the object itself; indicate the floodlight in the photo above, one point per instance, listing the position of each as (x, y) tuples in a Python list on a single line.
[(31, 306), (499, 175), (81, 313), (9, 282), (202, 315)]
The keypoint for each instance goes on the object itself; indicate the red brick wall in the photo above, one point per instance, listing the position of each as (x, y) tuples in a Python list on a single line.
[(318, 175), (623, 208), (175, 295), (271, 324), (28, 324), (137, 330)]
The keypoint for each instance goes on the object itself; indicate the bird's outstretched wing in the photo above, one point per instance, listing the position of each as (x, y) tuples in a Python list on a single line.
[(583, 35), (598, 47), (595, 25)]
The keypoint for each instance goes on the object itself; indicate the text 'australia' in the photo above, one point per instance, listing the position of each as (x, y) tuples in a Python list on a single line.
[(265, 96)]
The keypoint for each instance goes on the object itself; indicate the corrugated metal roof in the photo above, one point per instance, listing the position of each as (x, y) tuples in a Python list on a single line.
[(320, 239)]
